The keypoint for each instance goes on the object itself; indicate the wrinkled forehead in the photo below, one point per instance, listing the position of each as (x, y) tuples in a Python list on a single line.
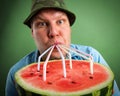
[(50, 13)]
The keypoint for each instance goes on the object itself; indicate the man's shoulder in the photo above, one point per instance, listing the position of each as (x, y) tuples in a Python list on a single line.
[(84, 48), (97, 57), (28, 59), (87, 50)]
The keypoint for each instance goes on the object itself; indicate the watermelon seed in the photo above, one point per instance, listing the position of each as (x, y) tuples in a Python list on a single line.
[(40, 75), (31, 73), (38, 70), (91, 77), (47, 71), (73, 82), (49, 83)]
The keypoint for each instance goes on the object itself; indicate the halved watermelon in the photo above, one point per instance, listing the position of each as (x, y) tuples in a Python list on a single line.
[(79, 81)]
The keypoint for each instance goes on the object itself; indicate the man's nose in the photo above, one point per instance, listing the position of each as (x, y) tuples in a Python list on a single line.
[(53, 31)]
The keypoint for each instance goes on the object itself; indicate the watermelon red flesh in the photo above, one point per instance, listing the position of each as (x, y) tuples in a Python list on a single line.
[(78, 78)]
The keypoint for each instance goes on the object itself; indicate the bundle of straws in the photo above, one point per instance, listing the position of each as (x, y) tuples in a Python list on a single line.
[(68, 51)]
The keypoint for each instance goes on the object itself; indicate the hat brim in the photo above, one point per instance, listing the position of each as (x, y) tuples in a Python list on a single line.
[(71, 16)]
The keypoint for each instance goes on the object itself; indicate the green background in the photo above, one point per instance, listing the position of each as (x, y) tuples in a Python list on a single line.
[(97, 25)]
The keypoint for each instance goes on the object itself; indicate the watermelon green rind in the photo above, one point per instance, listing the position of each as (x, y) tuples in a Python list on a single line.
[(92, 91), (95, 93)]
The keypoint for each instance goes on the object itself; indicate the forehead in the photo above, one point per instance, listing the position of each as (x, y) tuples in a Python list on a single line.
[(51, 13)]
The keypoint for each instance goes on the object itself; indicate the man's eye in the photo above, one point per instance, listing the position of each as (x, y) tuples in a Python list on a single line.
[(60, 22), (42, 24)]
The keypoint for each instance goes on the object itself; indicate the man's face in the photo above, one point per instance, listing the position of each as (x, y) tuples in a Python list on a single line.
[(50, 27)]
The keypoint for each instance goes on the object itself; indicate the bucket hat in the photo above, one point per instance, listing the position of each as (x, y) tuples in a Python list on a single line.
[(38, 5)]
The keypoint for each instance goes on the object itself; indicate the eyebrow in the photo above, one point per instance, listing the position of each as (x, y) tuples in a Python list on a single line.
[(38, 17)]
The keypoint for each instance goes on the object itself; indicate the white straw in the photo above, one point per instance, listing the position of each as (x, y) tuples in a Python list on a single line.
[(39, 58), (82, 54), (76, 52), (63, 62), (70, 59), (66, 50), (45, 64), (85, 54), (91, 66)]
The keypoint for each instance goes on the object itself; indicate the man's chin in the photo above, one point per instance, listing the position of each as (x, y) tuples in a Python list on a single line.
[(55, 57)]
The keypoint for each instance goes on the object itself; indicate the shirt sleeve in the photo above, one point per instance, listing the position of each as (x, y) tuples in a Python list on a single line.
[(10, 85), (11, 88)]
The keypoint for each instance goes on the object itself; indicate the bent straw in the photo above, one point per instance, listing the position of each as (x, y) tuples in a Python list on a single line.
[(63, 62), (74, 51), (68, 54), (39, 58), (67, 50), (45, 64), (82, 54)]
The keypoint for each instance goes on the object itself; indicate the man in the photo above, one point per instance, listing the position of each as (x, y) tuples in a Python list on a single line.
[(50, 23)]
